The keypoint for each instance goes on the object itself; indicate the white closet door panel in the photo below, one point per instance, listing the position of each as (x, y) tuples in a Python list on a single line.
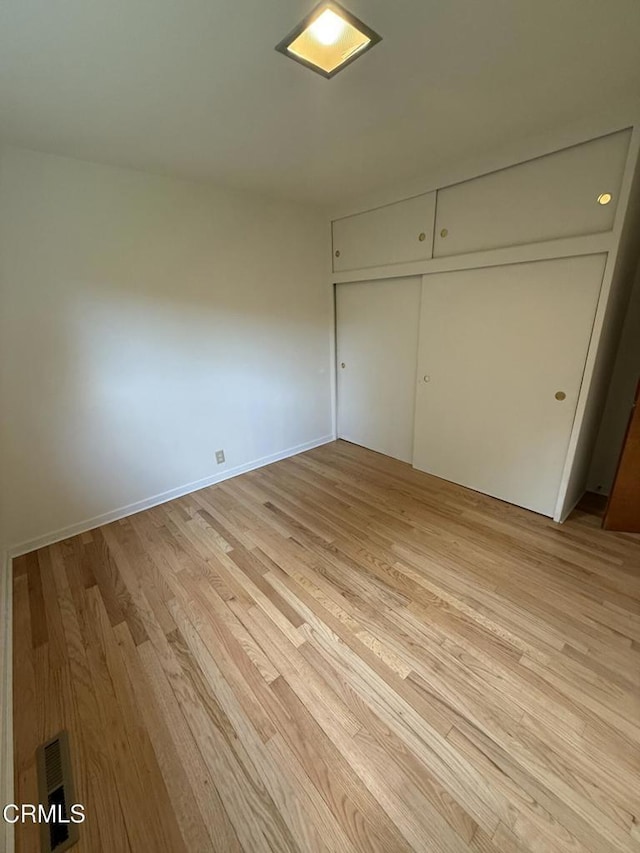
[(544, 199), (387, 235), (496, 345), (377, 341)]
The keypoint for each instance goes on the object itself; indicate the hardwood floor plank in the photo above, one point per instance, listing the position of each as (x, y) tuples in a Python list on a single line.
[(181, 795), (292, 804), (147, 812), (233, 661), (39, 628), (396, 750), (317, 827), (257, 822), (94, 776), (25, 704), (360, 815), (55, 630), (162, 671), (537, 798)]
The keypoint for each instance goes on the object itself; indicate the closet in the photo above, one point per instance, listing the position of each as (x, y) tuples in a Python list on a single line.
[(476, 323)]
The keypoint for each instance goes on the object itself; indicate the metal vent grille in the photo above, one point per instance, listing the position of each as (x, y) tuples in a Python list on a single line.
[(53, 765), (55, 786)]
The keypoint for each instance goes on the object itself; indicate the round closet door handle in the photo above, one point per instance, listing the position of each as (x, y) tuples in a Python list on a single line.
[(560, 395)]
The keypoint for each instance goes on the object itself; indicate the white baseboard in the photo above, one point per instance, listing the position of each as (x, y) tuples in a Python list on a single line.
[(6, 700), (163, 497)]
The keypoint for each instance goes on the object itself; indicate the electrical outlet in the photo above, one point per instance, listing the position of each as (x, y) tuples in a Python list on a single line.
[(219, 456)]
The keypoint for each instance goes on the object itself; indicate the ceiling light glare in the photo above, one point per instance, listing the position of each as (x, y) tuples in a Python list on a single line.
[(327, 28)]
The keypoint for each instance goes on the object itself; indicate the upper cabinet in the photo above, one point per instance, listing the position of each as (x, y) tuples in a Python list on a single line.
[(388, 235), (571, 192)]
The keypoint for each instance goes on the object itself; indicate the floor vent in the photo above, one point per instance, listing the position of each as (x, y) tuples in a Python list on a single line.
[(56, 794)]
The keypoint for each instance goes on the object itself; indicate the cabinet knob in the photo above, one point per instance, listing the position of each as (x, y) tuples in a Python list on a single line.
[(444, 232), (560, 395), (604, 198), (342, 365), (426, 378), (422, 236), (337, 253)]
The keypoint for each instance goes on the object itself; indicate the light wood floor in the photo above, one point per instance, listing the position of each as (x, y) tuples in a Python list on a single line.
[(337, 653)]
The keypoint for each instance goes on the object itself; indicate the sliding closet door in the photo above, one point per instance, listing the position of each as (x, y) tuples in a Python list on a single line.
[(502, 353), (377, 346)]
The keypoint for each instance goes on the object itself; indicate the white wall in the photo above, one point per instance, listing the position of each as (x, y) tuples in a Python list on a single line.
[(145, 323), (619, 399)]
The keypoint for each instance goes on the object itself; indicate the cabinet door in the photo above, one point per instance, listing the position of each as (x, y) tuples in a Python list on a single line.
[(623, 509), (545, 199), (501, 358), (377, 350), (388, 235)]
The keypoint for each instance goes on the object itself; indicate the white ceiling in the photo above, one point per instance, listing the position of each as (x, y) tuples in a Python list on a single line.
[(195, 88)]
